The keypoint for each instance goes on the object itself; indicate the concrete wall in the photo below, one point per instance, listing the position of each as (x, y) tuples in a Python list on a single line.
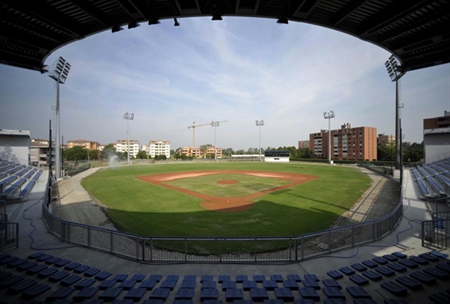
[(15, 148), (436, 147)]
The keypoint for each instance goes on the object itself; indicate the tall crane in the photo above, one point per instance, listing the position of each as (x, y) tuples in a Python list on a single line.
[(193, 126)]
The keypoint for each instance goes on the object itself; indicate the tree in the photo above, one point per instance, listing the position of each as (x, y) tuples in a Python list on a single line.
[(108, 152), (141, 154), (76, 153)]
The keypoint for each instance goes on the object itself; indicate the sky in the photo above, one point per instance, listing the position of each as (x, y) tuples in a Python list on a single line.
[(237, 70)]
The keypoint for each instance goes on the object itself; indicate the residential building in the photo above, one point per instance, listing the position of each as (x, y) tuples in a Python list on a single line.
[(303, 144), (191, 151), (348, 143), (122, 146), (210, 150), (90, 145), (383, 138), (436, 138), (159, 147)]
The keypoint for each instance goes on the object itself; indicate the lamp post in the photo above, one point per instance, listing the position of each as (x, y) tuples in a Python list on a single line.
[(329, 115), (395, 72), (260, 123), (215, 124), (58, 72), (128, 117)]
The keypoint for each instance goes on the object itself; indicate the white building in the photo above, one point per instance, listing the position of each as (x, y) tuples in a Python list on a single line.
[(159, 147), (122, 146), (15, 146)]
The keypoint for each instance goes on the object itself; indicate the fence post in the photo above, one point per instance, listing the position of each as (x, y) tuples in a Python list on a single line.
[(220, 253), (296, 249), (185, 250), (303, 253), (353, 236), (111, 241), (89, 236)]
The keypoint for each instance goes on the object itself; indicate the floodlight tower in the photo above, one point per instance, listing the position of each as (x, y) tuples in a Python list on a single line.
[(58, 72), (329, 115), (215, 124), (128, 117), (260, 123), (395, 72)]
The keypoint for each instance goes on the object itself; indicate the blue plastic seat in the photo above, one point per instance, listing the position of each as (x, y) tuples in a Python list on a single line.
[(408, 282), (105, 284), (284, 294), (294, 277), (276, 277), (70, 280), (397, 267), (228, 285), (258, 278), (259, 294), (206, 278), (335, 274), (223, 278), (331, 283), (127, 284), (184, 294), (399, 255), (370, 263), (120, 277), (358, 292), (84, 283), (103, 275), (148, 284), (359, 267), (59, 276), (390, 258), (311, 276), (437, 273), (359, 279), (21, 286), (160, 294), (270, 285), (312, 284), (333, 293), (347, 270), (110, 294), (34, 291), (72, 266), (408, 263), (170, 284), (291, 284), (209, 294), (394, 288), (60, 294), (85, 294), (429, 257), (380, 260), (372, 275), (422, 277), (155, 277), (309, 293), (385, 271), (190, 283), (232, 294), (247, 285), (92, 272), (209, 284), (138, 277), (241, 278)]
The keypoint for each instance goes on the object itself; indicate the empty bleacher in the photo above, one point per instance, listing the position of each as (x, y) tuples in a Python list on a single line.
[(391, 278), (16, 180)]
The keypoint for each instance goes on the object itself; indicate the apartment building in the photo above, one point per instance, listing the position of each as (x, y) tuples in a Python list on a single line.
[(40, 151), (347, 143), (303, 144), (90, 145), (191, 151), (159, 147), (122, 146), (210, 150), (383, 138)]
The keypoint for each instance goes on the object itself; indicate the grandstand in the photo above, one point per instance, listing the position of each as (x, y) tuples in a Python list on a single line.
[(16, 180), (433, 179)]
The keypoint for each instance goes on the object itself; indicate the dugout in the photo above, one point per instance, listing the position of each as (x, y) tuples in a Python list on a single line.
[(276, 156)]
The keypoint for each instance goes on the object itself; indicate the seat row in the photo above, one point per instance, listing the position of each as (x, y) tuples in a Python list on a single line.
[(67, 281)]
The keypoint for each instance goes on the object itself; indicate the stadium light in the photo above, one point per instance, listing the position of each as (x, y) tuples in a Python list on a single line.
[(329, 115), (260, 123), (58, 72), (128, 117), (395, 72), (215, 124)]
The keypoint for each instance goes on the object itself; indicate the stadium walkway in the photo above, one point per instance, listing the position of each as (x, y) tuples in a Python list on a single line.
[(406, 239)]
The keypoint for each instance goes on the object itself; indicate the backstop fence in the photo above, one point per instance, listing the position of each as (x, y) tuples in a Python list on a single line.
[(221, 249)]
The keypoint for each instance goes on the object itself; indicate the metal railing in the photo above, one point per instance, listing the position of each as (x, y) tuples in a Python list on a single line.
[(9, 234), (436, 232), (221, 249)]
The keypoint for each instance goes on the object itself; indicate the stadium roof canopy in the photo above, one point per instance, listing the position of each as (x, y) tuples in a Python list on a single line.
[(417, 32)]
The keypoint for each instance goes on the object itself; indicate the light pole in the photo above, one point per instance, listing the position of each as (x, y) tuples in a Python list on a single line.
[(128, 117), (58, 72), (395, 72), (329, 115), (215, 124), (260, 123)]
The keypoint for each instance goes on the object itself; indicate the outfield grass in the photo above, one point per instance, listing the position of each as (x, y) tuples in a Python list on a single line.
[(146, 209)]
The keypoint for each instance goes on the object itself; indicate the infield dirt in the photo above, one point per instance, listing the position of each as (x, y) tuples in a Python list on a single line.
[(228, 204)]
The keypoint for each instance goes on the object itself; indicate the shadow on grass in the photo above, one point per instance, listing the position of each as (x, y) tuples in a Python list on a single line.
[(264, 219), (290, 192)]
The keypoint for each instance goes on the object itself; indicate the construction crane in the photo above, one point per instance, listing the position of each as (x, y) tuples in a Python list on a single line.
[(193, 126)]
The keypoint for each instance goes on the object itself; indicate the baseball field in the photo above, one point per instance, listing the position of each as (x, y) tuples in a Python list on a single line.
[(226, 199)]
